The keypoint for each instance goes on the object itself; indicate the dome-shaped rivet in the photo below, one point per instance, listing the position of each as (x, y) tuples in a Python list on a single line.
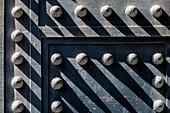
[(132, 59), (56, 11), (157, 58), (17, 36), (158, 82), (131, 11), (156, 11), (107, 59), (17, 12), (17, 82), (56, 107), (57, 83), (106, 11), (17, 106), (158, 106), (56, 59), (17, 58), (81, 59), (80, 11)]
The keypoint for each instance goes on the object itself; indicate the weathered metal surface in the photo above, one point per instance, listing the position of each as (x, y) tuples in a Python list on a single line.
[(2, 56), (90, 83), (98, 88)]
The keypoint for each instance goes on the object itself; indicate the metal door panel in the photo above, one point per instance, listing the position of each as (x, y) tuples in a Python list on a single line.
[(94, 87), (98, 88)]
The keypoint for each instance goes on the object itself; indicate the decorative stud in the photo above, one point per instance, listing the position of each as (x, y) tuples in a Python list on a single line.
[(132, 59), (156, 11), (57, 83), (17, 106), (56, 11), (158, 106), (158, 82), (17, 82), (131, 11), (157, 58), (17, 58), (56, 59), (80, 11), (81, 59), (107, 59), (106, 11), (56, 107), (17, 12), (17, 36)]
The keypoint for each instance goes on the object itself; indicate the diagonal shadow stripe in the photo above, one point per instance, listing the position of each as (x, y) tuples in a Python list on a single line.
[(95, 72), (71, 73), (116, 21), (124, 77), (70, 96), (145, 24), (145, 73)]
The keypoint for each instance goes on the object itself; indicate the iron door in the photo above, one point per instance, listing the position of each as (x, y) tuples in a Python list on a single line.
[(133, 33)]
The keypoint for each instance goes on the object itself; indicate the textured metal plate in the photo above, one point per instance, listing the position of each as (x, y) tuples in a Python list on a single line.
[(97, 88), (2, 56), (94, 18), (94, 87)]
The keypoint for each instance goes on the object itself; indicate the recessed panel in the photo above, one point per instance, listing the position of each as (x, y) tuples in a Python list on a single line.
[(96, 87)]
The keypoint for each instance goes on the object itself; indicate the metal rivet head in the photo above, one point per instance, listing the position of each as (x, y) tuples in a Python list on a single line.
[(17, 12), (157, 82), (80, 11), (157, 58), (56, 59), (56, 107), (158, 105), (17, 82), (56, 11), (17, 106), (17, 58), (17, 36), (57, 83), (156, 11), (81, 59), (107, 59), (132, 59), (106, 11), (131, 11)]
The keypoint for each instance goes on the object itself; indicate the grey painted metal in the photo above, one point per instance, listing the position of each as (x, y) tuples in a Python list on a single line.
[(95, 25), (2, 56), (38, 26)]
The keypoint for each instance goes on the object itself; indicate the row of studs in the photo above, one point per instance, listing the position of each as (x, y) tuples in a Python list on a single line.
[(17, 82), (107, 59), (82, 11), (82, 59)]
